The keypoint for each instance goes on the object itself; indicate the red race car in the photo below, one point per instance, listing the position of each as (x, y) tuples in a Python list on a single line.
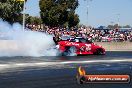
[(79, 46)]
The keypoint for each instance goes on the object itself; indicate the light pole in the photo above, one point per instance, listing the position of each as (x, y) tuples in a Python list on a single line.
[(88, 11), (23, 15), (118, 19), (23, 21)]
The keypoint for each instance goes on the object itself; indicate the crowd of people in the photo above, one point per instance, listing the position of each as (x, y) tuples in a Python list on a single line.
[(93, 34)]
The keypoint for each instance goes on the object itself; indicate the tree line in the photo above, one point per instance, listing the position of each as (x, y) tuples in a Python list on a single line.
[(118, 26), (52, 12), (10, 10)]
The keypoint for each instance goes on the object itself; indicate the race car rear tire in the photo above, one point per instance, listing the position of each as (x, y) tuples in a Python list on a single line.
[(99, 52), (69, 50)]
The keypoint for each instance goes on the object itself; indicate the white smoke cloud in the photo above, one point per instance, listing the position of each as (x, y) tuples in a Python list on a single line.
[(16, 42)]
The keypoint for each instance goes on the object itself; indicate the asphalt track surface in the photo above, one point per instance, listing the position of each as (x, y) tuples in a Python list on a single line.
[(60, 72)]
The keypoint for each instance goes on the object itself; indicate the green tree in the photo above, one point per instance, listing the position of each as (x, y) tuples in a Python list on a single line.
[(11, 10), (37, 20), (73, 19), (114, 26), (110, 26), (33, 20), (58, 12), (127, 26)]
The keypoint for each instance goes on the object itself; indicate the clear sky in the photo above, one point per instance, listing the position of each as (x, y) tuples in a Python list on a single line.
[(101, 12)]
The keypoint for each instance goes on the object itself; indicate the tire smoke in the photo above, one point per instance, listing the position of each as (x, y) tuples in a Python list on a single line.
[(17, 42)]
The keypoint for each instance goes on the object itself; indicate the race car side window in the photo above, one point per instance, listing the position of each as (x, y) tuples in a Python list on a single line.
[(76, 40), (83, 40), (72, 40)]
